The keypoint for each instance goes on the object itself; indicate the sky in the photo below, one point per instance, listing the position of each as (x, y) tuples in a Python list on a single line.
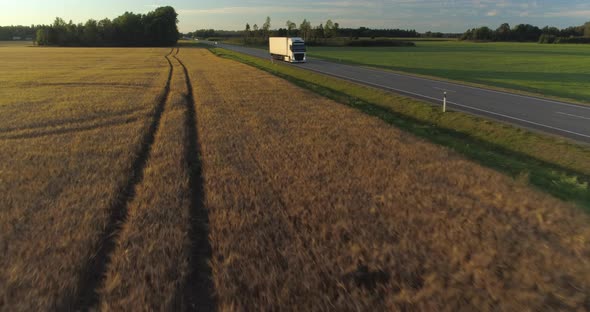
[(422, 15)]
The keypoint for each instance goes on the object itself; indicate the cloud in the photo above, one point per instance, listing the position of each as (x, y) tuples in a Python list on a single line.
[(346, 4), (492, 13), (572, 13), (265, 9), (452, 15)]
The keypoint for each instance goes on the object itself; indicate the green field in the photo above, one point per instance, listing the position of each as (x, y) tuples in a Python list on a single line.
[(553, 70)]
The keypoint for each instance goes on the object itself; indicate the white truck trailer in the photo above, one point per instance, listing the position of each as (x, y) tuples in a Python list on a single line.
[(288, 49)]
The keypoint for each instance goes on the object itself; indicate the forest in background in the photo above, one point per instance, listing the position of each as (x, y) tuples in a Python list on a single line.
[(156, 28)]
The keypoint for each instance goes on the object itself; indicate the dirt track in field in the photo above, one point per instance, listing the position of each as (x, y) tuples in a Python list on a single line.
[(313, 205)]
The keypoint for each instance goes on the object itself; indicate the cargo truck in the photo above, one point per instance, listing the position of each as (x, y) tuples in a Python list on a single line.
[(288, 49)]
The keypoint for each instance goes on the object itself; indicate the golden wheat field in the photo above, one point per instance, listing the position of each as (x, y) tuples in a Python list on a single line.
[(72, 124), (314, 206), (172, 179)]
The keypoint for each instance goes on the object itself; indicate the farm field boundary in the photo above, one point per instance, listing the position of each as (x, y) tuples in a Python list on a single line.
[(556, 166)]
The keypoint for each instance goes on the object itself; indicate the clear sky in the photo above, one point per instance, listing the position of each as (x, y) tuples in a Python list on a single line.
[(422, 15)]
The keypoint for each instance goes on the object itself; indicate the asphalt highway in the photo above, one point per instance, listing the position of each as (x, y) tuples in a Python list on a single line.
[(559, 118)]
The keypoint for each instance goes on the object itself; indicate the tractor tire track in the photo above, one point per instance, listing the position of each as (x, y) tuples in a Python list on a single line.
[(196, 291), (85, 296)]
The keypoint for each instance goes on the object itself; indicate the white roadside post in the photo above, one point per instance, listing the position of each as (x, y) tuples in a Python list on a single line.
[(445, 102)]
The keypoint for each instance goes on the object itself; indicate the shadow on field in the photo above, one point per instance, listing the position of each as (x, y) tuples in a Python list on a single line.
[(63, 122), (196, 292), (112, 123), (91, 85)]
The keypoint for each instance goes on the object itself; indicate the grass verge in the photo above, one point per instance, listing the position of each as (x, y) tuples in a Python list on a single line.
[(556, 166)]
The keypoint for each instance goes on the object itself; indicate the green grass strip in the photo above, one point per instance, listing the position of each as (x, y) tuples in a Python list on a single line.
[(554, 165)]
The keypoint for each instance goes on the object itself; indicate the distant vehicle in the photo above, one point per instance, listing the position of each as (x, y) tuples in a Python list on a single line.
[(288, 49)]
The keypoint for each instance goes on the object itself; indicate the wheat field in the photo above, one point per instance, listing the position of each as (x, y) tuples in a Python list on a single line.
[(172, 179), (73, 122), (314, 206)]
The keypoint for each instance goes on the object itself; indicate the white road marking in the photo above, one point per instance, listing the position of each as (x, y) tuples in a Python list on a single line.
[(466, 86), (576, 116), (457, 104)]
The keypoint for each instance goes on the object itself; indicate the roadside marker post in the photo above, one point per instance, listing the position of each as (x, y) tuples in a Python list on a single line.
[(445, 102)]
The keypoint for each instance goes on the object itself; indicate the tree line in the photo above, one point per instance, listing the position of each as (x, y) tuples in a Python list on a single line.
[(8, 33), (156, 28), (322, 32), (530, 33)]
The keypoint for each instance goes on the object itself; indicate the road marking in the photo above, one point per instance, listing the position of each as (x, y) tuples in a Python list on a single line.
[(446, 90), (461, 105), (462, 85), (576, 116), (457, 104)]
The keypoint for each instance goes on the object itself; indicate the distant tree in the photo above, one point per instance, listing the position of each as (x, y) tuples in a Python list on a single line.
[(266, 28), (305, 29), (587, 29), (329, 29), (129, 29), (22, 32), (247, 32), (43, 35), (483, 33), (255, 28), (503, 32), (521, 32), (91, 33), (290, 27), (106, 30), (282, 32), (467, 35), (318, 33), (160, 27), (430, 34), (157, 28), (526, 32), (553, 31)]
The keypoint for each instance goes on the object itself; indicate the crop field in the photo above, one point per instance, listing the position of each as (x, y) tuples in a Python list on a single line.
[(173, 179), (315, 206), (72, 127), (554, 70)]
